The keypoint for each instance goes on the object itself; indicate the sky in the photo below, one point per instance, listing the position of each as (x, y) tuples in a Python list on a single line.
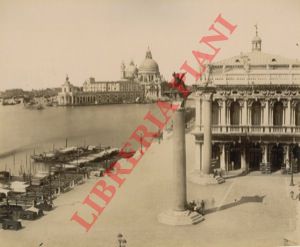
[(43, 40)]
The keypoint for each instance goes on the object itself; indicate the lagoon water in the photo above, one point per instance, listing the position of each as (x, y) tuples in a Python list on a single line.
[(23, 131)]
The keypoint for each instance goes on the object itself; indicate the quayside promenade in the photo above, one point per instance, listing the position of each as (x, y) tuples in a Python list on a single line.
[(245, 211)]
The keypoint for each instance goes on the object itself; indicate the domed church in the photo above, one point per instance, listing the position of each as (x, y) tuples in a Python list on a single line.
[(147, 74)]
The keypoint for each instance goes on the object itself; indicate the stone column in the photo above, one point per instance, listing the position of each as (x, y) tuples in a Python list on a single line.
[(266, 115), (243, 159), (287, 155), (178, 214), (223, 115), (198, 155), (288, 116), (271, 105), (198, 114), (244, 113), (265, 153), (222, 158), (179, 161), (207, 135)]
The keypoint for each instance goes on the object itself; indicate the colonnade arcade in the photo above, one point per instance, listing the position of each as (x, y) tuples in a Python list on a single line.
[(255, 112), (249, 155)]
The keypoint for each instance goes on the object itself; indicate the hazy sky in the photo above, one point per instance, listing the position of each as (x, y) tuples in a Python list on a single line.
[(41, 41)]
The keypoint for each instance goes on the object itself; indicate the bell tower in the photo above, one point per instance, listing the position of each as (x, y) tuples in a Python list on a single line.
[(256, 41)]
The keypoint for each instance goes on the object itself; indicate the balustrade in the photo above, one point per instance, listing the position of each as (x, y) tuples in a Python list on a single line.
[(216, 129)]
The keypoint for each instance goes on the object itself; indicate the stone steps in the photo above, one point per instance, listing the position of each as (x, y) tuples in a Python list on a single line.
[(220, 179), (180, 218)]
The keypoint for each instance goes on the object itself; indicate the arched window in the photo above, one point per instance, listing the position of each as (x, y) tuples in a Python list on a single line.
[(256, 113), (278, 114), (215, 113), (235, 113), (297, 114)]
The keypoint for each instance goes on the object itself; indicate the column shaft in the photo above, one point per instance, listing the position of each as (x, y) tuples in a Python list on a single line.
[(198, 113), (179, 161), (243, 159), (198, 156), (244, 113), (222, 158), (207, 135)]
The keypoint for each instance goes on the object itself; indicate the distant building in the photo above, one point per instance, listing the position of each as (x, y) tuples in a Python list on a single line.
[(147, 75), (136, 85), (93, 93)]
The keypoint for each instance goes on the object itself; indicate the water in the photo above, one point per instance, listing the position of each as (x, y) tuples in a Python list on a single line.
[(22, 130)]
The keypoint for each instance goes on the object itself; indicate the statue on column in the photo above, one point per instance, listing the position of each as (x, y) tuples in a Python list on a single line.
[(178, 83), (179, 214)]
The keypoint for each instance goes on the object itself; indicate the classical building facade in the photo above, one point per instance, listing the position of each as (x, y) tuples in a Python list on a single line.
[(137, 84), (253, 103)]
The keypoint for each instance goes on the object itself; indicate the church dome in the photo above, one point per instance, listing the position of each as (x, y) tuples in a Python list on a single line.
[(131, 68), (149, 65)]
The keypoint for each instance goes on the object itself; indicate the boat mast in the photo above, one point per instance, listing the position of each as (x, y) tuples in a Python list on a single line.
[(30, 172), (50, 183)]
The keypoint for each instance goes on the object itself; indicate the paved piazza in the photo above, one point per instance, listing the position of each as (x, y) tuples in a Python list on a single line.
[(254, 210)]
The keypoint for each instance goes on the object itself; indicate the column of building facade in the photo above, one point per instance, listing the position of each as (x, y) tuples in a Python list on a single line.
[(288, 115), (266, 110), (241, 104), (249, 108), (223, 121), (227, 107), (222, 157), (285, 106), (198, 113), (207, 132), (287, 155), (264, 152), (198, 145), (271, 108), (293, 112), (244, 113)]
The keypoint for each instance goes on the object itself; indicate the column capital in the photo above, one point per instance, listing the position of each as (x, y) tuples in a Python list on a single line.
[(207, 96), (294, 102), (263, 103), (272, 102), (285, 103), (220, 102), (250, 102), (241, 102), (228, 102)]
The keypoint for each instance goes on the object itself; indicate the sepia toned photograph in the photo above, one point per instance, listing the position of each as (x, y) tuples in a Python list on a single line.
[(163, 123)]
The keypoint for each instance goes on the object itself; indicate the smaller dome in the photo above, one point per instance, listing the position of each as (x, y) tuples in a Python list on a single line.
[(131, 68)]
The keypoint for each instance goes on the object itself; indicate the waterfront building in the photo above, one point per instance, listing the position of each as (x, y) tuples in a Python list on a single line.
[(136, 85), (253, 103), (103, 92)]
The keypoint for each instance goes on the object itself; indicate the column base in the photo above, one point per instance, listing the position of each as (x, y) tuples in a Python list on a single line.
[(204, 179), (180, 218)]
